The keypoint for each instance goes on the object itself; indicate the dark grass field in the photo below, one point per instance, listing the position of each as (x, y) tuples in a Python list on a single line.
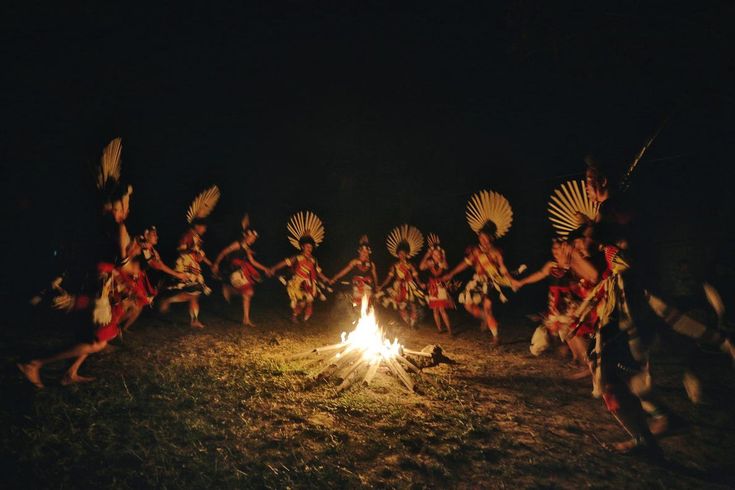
[(177, 408)]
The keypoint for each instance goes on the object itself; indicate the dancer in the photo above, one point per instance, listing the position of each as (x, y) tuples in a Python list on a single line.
[(242, 279), (306, 232), (118, 294), (145, 247), (364, 277), (571, 212), (403, 243), (191, 256), (435, 261), (116, 198), (621, 357), (489, 215)]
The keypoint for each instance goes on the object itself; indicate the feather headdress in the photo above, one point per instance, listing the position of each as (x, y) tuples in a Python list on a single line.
[(433, 240), (569, 207), (405, 237), (108, 178), (108, 174), (305, 226), (203, 204), (489, 210), (245, 225)]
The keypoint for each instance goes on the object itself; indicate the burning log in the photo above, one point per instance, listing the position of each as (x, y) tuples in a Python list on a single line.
[(361, 353)]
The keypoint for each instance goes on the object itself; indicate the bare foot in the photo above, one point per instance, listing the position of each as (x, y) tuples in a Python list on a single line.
[(638, 447), (496, 341), (69, 379), (294, 319), (248, 324), (197, 324), (627, 446), (32, 371)]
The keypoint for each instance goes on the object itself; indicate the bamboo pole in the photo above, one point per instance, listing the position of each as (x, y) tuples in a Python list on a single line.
[(400, 373), (416, 353), (370, 374), (317, 351)]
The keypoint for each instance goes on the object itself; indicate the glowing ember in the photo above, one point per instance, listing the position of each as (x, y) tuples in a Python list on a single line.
[(361, 352)]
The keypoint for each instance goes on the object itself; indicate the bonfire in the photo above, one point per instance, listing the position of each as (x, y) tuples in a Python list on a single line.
[(362, 352)]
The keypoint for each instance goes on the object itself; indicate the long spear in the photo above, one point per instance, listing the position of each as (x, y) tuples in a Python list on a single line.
[(625, 182)]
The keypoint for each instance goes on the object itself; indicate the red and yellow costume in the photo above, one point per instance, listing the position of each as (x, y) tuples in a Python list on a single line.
[(404, 289), (243, 279), (189, 262), (487, 278), (120, 292), (303, 286), (438, 296), (362, 281)]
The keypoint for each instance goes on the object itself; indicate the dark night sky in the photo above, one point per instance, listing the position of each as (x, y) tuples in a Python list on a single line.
[(369, 113)]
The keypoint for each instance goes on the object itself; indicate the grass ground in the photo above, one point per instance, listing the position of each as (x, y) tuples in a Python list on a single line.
[(177, 408)]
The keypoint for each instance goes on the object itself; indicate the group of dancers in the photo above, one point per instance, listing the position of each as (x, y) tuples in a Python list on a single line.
[(597, 295)]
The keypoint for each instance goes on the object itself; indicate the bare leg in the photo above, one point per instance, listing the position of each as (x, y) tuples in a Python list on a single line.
[(626, 409), (32, 370), (132, 317), (297, 311), (445, 317), (490, 321), (476, 312), (437, 320), (194, 312), (71, 376), (578, 347), (165, 304), (413, 316), (227, 292), (308, 310), (246, 297)]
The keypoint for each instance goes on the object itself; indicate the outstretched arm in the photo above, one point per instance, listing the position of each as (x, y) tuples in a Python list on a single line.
[(415, 275), (157, 263), (343, 272), (256, 264), (537, 276), (280, 266), (224, 253), (375, 274), (388, 278), (501, 266), (321, 275), (459, 268)]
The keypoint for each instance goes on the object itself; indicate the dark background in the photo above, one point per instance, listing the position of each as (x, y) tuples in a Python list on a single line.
[(368, 113)]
